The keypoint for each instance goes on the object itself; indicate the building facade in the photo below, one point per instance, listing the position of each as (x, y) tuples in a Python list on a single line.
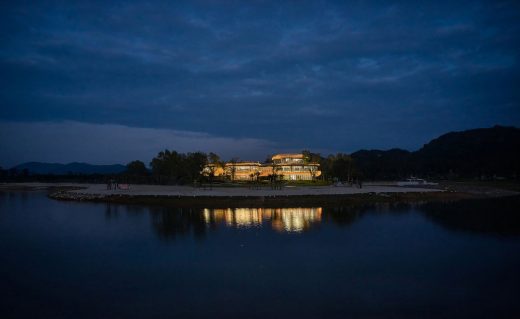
[(294, 167)]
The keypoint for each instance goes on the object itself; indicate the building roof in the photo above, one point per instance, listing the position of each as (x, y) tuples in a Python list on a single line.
[(280, 156), (242, 163), (292, 164)]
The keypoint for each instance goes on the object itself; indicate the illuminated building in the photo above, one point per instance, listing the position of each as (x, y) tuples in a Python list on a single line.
[(286, 166)]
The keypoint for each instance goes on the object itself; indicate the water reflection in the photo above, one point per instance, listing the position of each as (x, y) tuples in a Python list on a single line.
[(281, 219), (169, 223), (484, 216), (492, 216), (15, 197), (112, 211)]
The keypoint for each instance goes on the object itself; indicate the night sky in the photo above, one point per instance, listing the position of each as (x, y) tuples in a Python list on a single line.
[(111, 83)]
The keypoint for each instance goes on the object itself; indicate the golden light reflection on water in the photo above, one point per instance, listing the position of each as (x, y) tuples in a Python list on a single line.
[(281, 219)]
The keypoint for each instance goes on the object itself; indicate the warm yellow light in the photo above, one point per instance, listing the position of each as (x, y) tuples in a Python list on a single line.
[(282, 219)]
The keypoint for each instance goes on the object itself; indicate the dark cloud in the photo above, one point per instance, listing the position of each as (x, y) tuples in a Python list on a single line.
[(320, 75)]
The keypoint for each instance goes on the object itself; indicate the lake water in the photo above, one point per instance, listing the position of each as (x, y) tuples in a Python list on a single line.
[(91, 260)]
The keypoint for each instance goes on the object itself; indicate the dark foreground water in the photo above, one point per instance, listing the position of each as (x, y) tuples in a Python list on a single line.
[(86, 260)]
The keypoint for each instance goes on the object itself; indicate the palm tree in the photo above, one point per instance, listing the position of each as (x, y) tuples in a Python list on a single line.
[(233, 167), (312, 171), (273, 177)]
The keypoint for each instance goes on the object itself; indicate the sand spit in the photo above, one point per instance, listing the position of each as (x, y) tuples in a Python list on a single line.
[(222, 196)]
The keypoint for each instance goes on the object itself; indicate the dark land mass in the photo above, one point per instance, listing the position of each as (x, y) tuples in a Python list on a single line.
[(486, 153)]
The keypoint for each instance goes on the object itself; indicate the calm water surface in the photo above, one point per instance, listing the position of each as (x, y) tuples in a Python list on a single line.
[(87, 260)]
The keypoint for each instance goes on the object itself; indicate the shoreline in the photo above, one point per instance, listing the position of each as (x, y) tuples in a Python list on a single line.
[(265, 201), (187, 196)]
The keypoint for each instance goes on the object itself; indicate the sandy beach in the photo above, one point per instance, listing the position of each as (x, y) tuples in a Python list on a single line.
[(190, 191)]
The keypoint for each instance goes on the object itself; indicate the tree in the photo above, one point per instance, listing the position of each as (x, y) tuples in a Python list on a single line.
[(309, 157), (314, 158), (178, 168), (136, 168), (213, 158), (233, 168), (214, 163), (312, 171), (13, 172), (340, 166), (273, 177), (195, 163)]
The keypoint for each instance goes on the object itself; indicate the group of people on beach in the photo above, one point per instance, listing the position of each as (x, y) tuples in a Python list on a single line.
[(112, 184)]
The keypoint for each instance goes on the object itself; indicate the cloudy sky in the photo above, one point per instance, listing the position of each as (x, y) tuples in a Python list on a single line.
[(106, 83)]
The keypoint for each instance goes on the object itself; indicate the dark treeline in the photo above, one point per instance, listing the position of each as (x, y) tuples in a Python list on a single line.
[(480, 153), (170, 167)]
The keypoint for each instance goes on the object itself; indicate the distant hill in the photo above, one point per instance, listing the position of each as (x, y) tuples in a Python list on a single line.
[(472, 153), (485, 151), (71, 168)]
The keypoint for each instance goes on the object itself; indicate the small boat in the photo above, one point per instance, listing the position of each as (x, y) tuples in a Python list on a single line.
[(413, 181)]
